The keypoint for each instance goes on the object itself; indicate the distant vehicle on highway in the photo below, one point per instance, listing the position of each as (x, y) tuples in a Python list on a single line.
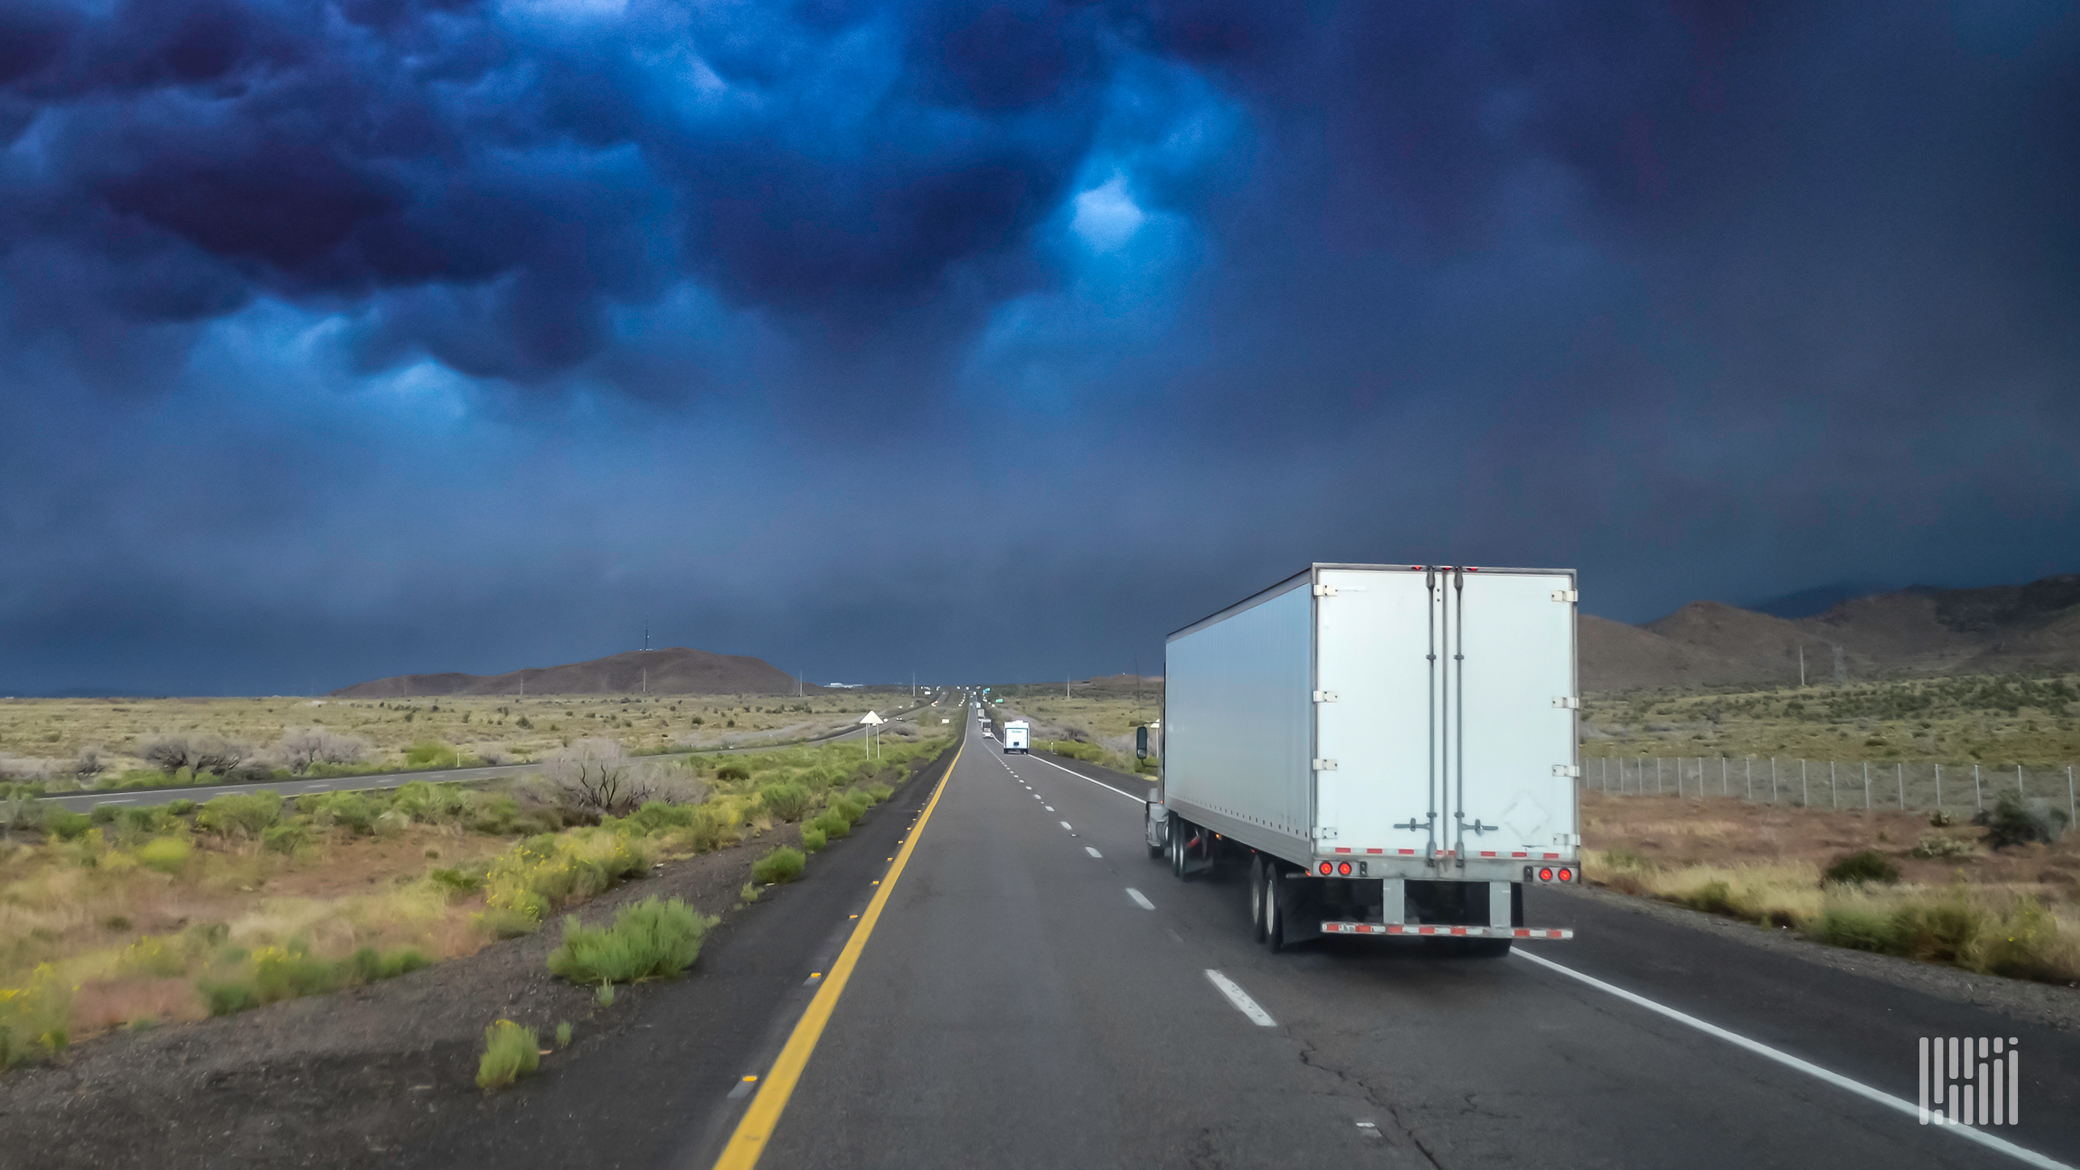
[(987, 733), (1016, 735), (1391, 749)]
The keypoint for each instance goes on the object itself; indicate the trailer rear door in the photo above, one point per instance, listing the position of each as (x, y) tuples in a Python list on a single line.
[(1374, 698), (1509, 712)]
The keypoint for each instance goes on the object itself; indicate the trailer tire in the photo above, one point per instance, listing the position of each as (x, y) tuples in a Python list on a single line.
[(1274, 913), (1178, 832), (1257, 897)]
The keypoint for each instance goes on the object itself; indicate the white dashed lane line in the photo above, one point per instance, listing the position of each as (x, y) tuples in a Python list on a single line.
[(1092, 852), (1240, 998), (1068, 826), (1140, 899)]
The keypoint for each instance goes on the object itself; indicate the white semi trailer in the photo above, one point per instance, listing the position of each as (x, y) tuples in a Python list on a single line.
[(1018, 737), (1392, 749)]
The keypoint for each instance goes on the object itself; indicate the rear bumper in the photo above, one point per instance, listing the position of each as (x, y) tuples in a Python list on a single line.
[(1444, 931)]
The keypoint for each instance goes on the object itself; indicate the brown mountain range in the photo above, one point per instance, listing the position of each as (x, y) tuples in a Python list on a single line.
[(1916, 631), (674, 670)]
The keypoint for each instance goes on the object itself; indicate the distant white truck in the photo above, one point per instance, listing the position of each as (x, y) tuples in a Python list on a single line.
[(1392, 749), (1018, 737)]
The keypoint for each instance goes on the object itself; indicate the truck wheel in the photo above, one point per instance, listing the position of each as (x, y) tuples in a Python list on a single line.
[(1173, 843), (1274, 931), (1256, 898)]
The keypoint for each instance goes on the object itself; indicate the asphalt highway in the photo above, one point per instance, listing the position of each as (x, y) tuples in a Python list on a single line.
[(1037, 991), (119, 797)]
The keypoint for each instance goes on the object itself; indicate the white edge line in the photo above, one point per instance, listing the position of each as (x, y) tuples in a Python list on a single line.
[(1081, 776), (1140, 899), (2030, 1157), (1240, 998)]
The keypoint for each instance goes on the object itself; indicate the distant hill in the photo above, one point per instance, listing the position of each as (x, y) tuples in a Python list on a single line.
[(671, 671), (1918, 630)]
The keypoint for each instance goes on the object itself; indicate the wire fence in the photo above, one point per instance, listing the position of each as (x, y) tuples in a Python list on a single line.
[(1833, 784)]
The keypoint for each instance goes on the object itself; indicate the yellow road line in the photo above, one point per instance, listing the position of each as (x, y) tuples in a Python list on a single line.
[(756, 1127)]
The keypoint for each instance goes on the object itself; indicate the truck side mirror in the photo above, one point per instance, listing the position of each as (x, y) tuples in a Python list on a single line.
[(1141, 742)]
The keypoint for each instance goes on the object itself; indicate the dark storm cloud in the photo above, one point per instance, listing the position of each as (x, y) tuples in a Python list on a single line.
[(563, 163), (1707, 298)]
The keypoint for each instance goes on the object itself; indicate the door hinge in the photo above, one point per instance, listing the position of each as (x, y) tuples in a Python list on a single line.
[(1566, 770), (1321, 590), (1325, 696), (1569, 701), (1325, 765), (1324, 833), (1567, 595)]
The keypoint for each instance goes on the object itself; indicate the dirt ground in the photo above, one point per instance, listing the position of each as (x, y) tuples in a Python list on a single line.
[(318, 1081), (1671, 832)]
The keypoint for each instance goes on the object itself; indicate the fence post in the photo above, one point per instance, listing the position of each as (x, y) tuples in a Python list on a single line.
[(1722, 776), (1773, 779), (2018, 783), (2070, 810), (1805, 789), (1939, 788), (1751, 779), (1866, 786), (1657, 775), (1978, 799), (1832, 795), (1899, 777)]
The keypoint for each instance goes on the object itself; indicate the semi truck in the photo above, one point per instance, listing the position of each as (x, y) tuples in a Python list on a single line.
[(1391, 749), (1017, 737)]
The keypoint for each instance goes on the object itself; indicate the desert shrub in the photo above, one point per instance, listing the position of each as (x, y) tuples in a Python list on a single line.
[(657, 816), (431, 803), (539, 874), (879, 792), (2024, 944), (33, 1017), (227, 997), (240, 813), (563, 1034), (180, 808), (1866, 865), (350, 810), (786, 801), (781, 865), (144, 820), (813, 839), (456, 882), (500, 923), (285, 838), (852, 806), (1934, 845), (428, 753), (368, 965), (1941, 820), (67, 826), (303, 748), (496, 815), (281, 973), (165, 854), (2014, 821), (151, 955), (1941, 932), (104, 814), (648, 940), (832, 825), (510, 1052), (733, 772), (1856, 927)]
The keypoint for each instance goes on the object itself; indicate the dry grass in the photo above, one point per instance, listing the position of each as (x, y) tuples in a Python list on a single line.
[(2014, 911), (43, 738), (1958, 721)]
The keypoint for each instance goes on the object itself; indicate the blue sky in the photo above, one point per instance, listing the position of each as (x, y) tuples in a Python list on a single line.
[(995, 340)]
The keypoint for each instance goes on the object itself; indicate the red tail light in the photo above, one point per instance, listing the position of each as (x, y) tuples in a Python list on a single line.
[(1344, 869), (1325, 869), (1566, 875), (1545, 875)]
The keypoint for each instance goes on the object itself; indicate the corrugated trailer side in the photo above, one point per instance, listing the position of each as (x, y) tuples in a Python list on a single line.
[(1238, 725)]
